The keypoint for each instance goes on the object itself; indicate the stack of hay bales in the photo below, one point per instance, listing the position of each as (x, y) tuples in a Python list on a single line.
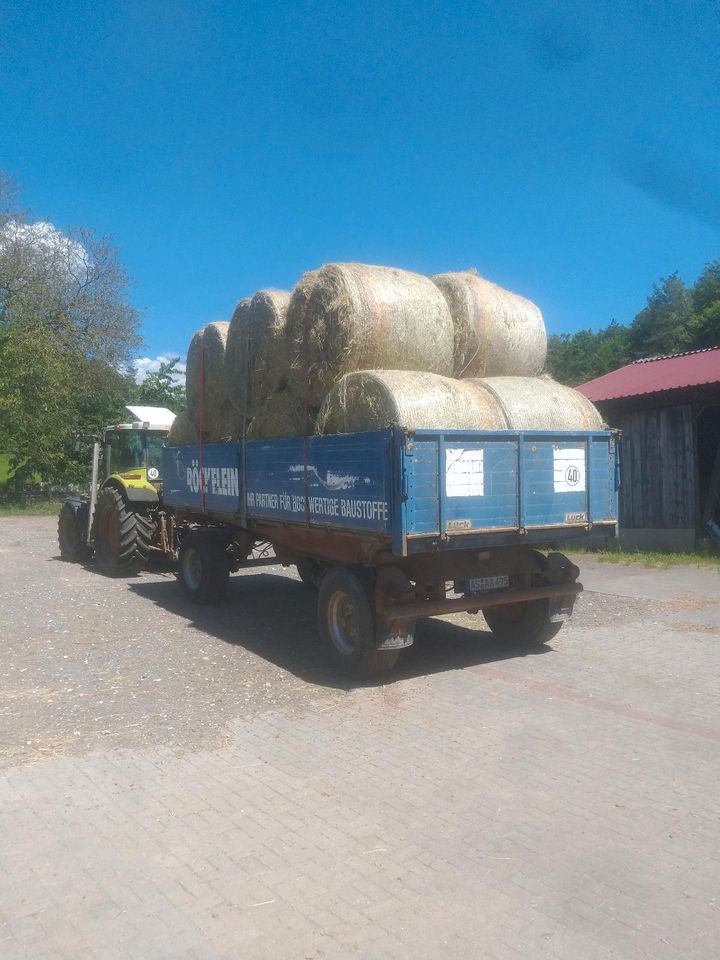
[(539, 403), (372, 399), (208, 406), (496, 332), (182, 431), (256, 367), (359, 347), (350, 316)]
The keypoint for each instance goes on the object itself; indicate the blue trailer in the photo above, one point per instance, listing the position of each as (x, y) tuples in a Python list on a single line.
[(392, 525)]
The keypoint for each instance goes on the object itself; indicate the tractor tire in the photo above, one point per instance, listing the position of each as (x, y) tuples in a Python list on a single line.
[(524, 624), (70, 535), (347, 623), (203, 567), (122, 535)]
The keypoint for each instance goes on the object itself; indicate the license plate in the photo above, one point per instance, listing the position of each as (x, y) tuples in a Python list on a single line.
[(479, 584)]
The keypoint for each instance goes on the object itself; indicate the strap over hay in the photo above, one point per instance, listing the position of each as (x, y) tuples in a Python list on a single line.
[(495, 332)]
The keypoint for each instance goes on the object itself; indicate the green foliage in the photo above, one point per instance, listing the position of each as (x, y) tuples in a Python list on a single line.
[(663, 325), (676, 318), (46, 391), (161, 389), (659, 559), (575, 358), (705, 325), (65, 329), (30, 508)]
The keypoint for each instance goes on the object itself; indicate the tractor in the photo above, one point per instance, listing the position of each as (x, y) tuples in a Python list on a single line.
[(119, 519)]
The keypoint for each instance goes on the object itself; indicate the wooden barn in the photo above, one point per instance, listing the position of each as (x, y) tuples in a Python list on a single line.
[(668, 409)]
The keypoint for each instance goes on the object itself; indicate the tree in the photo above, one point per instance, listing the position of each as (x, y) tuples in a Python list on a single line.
[(575, 358), (676, 318), (161, 388), (66, 328), (705, 325), (663, 326)]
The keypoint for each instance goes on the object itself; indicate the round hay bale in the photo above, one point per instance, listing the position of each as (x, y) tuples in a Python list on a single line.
[(371, 399), (212, 412), (539, 403), (496, 332), (182, 431), (350, 316), (256, 352), (279, 416)]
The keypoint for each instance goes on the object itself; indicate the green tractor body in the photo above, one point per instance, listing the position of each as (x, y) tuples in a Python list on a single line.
[(116, 521)]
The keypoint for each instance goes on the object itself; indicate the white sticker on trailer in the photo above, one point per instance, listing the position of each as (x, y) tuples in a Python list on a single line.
[(464, 472), (569, 470)]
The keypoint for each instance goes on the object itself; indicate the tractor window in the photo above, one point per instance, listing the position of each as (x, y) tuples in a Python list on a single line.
[(123, 451), (154, 444)]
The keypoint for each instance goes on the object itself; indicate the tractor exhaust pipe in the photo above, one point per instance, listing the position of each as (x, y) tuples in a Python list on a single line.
[(93, 489)]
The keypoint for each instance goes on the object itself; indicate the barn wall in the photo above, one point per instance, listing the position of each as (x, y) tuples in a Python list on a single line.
[(659, 482)]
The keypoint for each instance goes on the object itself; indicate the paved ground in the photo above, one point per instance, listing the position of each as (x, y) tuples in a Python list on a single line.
[(183, 783)]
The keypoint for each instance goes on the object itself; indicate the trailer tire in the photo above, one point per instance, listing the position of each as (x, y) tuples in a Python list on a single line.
[(522, 623), (347, 624), (122, 535), (70, 536), (203, 567), (310, 572)]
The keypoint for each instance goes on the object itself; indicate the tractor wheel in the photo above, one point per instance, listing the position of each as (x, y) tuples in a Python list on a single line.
[(527, 623), (70, 538), (122, 535)]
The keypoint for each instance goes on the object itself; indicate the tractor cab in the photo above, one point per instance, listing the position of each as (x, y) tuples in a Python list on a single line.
[(132, 452)]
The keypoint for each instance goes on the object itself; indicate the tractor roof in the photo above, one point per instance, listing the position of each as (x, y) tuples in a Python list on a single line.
[(157, 418)]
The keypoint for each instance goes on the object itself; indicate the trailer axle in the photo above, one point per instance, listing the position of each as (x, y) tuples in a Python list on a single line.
[(433, 608)]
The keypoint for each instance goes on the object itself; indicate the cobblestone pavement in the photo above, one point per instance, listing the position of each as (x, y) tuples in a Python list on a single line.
[(183, 783)]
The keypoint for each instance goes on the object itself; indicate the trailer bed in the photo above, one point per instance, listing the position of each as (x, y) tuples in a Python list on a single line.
[(418, 492)]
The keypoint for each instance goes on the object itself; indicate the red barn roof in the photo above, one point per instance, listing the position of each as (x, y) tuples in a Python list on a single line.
[(656, 375)]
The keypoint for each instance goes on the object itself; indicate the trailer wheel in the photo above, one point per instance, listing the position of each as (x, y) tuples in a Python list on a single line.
[(204, 567), (122, 535), (346, 619), (522, 623), (310, 572)]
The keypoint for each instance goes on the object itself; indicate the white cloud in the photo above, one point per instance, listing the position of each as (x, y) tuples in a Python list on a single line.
[(145, 365)]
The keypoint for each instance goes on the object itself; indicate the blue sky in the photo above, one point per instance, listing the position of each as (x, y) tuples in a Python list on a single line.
[(569, 151)]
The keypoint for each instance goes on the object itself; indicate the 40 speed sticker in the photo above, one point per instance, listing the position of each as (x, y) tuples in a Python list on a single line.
[(569, 470)]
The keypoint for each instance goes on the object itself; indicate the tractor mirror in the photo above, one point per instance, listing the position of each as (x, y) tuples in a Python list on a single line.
[(75, 453)]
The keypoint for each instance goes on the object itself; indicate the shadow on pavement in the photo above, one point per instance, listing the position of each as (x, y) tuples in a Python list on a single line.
[(275, 617)]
